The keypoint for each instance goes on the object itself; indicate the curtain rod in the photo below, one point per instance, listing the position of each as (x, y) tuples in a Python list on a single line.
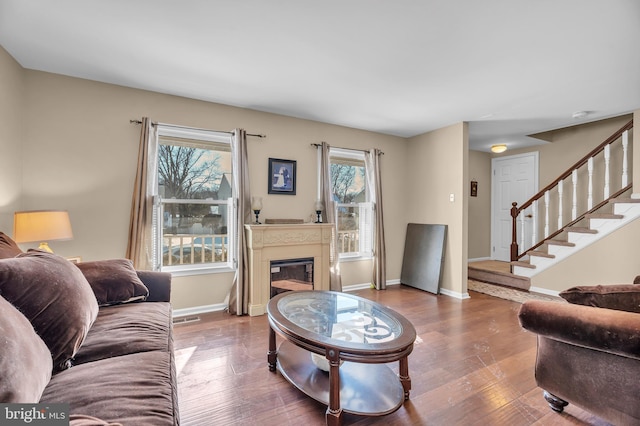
[(317, 145), (195, 128)]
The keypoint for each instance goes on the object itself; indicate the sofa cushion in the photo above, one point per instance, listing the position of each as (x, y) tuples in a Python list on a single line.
[(8, 247), (114, 281), (622, 297), (25, 361), (126, 329), (136, 389), (54, 296)]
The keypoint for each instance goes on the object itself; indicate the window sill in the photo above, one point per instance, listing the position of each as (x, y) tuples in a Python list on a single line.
[(354, 258), (177, 271)]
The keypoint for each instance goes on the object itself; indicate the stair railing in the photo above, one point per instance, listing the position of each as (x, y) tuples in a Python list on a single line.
[(583, 170)]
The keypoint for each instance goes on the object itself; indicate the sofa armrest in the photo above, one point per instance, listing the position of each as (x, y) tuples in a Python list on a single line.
[(600, 329), (158, 283)]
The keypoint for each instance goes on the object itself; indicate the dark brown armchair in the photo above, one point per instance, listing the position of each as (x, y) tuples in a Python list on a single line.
[(589, 350)]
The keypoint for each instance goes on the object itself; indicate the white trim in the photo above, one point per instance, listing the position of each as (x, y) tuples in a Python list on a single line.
[(356, 287), (218, 307), (544, 291), (454, 294)]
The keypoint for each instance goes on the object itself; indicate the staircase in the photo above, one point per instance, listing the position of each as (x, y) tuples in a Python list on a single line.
[(575, 231), (575, 238)]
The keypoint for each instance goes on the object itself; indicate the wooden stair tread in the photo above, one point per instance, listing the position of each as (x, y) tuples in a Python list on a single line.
[(523, 264), (561, 243), (604, 216), (541, 254), (624, 200), (581, 230)]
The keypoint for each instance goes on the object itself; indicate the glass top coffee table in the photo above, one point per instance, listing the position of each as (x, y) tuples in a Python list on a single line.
[(336, 348)]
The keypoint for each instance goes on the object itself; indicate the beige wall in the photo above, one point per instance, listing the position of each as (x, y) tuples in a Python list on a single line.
[(80, 154), (430, 185), (480, 206), (11, 132)]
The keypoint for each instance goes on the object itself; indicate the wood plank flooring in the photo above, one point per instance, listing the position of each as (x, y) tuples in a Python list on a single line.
[(472, 365)]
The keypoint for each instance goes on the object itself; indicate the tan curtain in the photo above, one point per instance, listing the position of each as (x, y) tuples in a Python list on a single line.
[(239, 296), (140, 245), (374, 186), (329, 216)]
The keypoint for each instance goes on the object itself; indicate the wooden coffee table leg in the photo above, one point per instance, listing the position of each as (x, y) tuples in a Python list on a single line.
[(404, 377), (272, 354), (334, 412)]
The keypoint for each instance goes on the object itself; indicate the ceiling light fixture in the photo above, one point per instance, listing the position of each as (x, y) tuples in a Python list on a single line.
[(498, 148)]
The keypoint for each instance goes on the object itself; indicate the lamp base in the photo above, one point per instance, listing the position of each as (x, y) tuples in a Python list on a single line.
[(257, 212), (319, 214), (45, 247)]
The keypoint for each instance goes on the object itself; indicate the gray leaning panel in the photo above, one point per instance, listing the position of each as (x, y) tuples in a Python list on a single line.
[(424, 256)]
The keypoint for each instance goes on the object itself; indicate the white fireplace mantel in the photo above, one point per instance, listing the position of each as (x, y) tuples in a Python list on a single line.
[(284, 242)]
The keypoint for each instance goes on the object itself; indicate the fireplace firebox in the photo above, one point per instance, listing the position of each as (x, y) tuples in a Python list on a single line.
[(291, 275)]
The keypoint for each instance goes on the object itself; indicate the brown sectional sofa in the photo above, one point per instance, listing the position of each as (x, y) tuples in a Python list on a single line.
[(589, 350), (96, 336)]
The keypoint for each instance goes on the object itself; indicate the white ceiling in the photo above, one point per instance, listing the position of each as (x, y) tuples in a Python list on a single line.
[(402, 67)]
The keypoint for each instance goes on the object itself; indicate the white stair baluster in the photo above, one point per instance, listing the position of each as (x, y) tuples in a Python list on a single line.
[(625, 172), (607, 156), (574, 202), (590, 189), (534, 223), (546, 214), (522, 232), (560, 193)]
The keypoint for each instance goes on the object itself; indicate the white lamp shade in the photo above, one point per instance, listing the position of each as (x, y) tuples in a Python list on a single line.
[(41, 225)]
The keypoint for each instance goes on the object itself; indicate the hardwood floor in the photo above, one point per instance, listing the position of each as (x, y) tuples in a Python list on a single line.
[(472, 365)]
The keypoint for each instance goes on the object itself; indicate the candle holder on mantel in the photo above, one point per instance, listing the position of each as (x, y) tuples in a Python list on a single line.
[(319, 207), (256, 206)]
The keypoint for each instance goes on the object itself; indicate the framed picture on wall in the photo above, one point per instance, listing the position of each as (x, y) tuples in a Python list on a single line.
[(282, 176)]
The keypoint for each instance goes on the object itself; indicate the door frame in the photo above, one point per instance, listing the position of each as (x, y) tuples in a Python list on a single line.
[(494, 208)]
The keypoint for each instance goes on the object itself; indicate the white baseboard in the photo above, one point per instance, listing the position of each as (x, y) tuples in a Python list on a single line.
[(199, 310), (454, 294), (544, 291)]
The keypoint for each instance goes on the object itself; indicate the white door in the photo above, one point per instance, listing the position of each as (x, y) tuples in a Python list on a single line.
[(514, 179)]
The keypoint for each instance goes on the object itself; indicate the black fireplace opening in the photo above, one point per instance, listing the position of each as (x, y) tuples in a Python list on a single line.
[(291, 275)]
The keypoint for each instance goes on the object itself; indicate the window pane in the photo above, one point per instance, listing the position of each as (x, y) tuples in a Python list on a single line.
[(348, 182), (348, 228), (194, 234), (194, 171)]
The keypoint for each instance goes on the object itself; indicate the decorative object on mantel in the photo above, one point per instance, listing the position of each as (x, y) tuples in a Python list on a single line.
[(474, 188), (319, 207), (42, 225), (283, 221), (256, 206), (282, 176)]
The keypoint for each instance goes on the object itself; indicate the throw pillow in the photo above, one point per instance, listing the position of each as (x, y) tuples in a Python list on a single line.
[(8, 247), (622, 297), (54, 296), (114, 281), (25, 361)]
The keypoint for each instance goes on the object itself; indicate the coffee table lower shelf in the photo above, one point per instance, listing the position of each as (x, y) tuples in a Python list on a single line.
[(365, 389)]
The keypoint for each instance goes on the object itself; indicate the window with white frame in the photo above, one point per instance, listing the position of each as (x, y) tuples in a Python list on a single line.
[(353, 207), (194, 214)]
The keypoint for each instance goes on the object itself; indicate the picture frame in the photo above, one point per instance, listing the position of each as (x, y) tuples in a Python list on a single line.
[(282, 176)]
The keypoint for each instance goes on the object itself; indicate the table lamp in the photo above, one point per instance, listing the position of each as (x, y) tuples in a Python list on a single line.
[(43, 226)]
